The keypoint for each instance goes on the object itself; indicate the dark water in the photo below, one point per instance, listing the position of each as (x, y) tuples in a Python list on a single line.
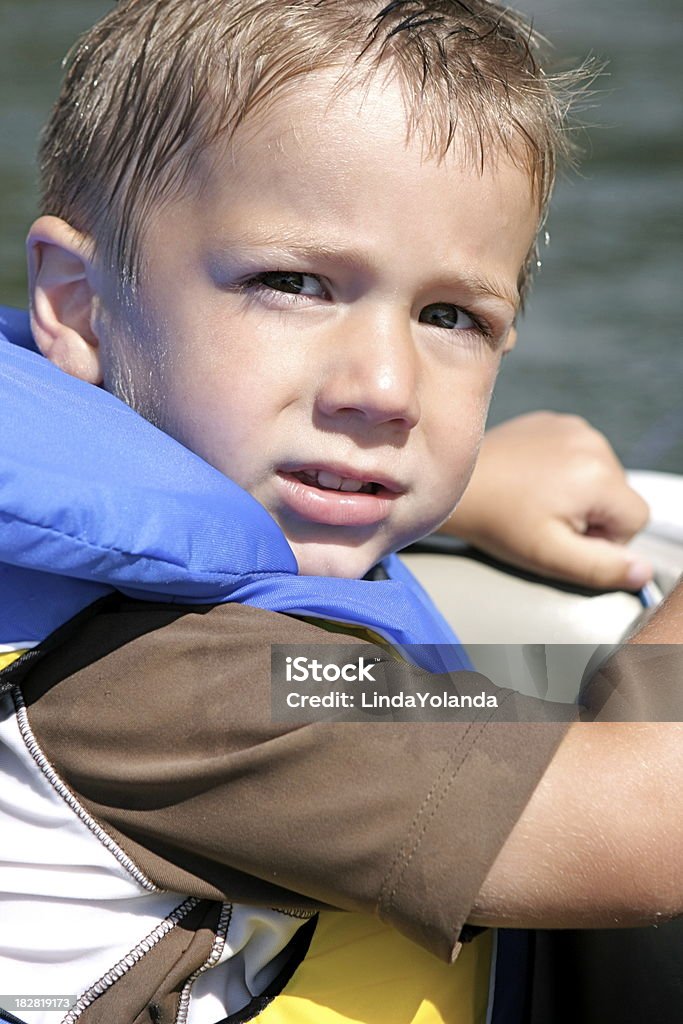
[(603, 333)]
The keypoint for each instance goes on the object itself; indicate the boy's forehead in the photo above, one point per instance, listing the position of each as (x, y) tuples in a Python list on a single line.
[(326, 121)]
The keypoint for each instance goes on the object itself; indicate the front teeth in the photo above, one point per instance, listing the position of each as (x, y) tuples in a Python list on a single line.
[(332, 482)]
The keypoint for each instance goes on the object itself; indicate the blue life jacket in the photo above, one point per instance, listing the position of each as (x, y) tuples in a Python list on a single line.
[(93, 497)]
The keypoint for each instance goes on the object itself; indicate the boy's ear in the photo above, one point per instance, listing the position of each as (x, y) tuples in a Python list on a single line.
[(63, 305), (510, 341)]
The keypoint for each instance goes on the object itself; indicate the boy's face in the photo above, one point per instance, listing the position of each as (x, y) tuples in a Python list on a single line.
[(334, 305)]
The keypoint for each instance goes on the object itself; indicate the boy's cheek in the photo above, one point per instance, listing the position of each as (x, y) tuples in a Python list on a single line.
[(452, 464), (456, 440)]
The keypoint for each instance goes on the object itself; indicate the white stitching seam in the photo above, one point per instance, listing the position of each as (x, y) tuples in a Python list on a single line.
[(53, 778), (211, 961), (124, 965)]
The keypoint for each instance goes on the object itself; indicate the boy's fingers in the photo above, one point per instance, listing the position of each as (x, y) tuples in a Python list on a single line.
[(623, 513), (595, 562)]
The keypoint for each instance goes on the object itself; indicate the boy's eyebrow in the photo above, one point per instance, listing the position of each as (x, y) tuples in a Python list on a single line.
[(482, 286), (253, 245), (479, 285)]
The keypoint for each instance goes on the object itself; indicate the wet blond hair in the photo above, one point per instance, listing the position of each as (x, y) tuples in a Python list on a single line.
[(156, 82)]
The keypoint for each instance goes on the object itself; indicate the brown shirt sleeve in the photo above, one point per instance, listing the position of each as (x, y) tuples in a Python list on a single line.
[(159, 720)]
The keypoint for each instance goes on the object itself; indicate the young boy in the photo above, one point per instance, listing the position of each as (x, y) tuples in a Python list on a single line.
[(224, 253)]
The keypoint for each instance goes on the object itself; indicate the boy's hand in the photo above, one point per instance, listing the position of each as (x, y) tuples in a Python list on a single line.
[(549, 495)]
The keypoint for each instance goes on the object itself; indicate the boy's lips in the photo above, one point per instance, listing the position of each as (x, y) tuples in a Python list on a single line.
[(335, 495)]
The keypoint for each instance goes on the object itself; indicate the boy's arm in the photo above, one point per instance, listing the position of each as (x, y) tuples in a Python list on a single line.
[(549, 495), (600, 843)]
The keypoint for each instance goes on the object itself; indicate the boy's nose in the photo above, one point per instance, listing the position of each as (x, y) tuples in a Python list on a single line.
[(372, 374)]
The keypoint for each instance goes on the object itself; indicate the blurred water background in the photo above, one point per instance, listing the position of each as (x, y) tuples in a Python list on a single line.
[(602, 336)]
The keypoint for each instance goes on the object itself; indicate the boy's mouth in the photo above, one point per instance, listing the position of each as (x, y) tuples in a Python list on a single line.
[(335, 497)]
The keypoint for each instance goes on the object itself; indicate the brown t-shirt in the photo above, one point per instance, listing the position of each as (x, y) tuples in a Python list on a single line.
[(159, 719)]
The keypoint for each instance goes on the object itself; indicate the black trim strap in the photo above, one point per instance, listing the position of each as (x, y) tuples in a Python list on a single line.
[(8, 1018)]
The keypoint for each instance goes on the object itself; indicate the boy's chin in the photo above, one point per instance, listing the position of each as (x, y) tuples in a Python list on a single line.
[(334, 560)]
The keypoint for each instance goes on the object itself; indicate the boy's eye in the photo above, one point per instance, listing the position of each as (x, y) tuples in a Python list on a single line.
[(290, 281), (443, 314)]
